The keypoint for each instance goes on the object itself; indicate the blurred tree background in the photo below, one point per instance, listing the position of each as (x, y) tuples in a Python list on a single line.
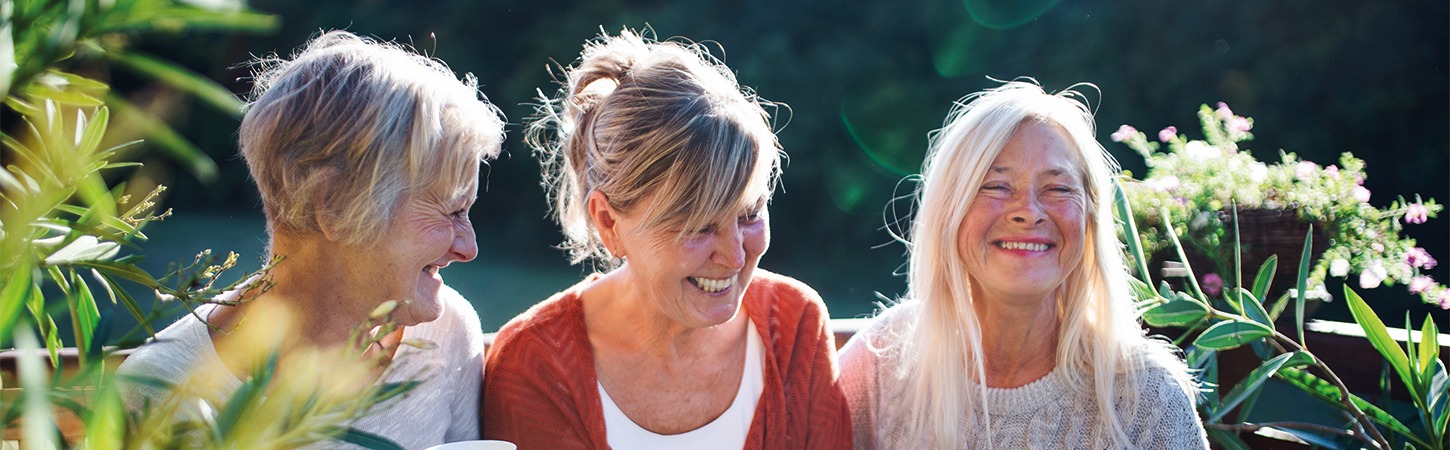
[(865, 82)]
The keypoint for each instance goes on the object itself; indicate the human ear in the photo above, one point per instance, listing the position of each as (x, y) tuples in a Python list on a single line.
[(606, 223), (322, 198)]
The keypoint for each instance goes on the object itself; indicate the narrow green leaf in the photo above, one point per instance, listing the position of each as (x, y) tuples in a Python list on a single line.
[(367, 440), (85, 313), (1250, 385), (167, 139), (106, 419), (1227, 440), (1130, 230), (204, 88), (1429, 344), (127, 271), (90, 140), (1265, 278), (1303, 284), (39, 424), (84, 249), (1178, 247), (1231, 334), (1253, 309), (12, 299), (178, 19), (1177, 312), (1330, 394), (1379, 337), (1439, 399)]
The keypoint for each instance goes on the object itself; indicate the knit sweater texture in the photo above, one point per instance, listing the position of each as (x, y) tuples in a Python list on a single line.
[(1044, 414), (541, 390), (442, 408)]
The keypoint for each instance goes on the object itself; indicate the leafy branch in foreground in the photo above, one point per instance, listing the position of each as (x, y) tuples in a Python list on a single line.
[(1239, 319)]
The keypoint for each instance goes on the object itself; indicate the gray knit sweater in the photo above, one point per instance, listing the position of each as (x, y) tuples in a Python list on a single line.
[(1044, 414)]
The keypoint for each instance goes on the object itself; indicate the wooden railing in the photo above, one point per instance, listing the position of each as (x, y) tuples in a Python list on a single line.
[(1341, 345)]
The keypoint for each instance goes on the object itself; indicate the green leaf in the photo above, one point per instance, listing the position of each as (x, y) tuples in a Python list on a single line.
[(1231, 334), (1303, 284), (1379, 337), (38, 427), (1130, 230), (1265, 278), (1429, 344), (1439, 399), (1180, 311), (84, 249), (1227, 440), (106, 420), (1178, 247), (1253, 309), (167, 139), (1253, 382), (178, 19), (367, 440), (12, 299), (127, 271), (84, 313), (203, 88), (1330, 394)]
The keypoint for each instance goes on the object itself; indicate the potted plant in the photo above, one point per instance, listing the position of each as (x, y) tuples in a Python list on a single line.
[(1200, 186)]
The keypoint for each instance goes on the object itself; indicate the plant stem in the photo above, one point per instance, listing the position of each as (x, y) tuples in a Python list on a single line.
[(1360, 419), (1252, 427)]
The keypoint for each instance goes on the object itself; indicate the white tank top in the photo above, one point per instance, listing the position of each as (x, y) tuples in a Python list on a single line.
[(725, 432)]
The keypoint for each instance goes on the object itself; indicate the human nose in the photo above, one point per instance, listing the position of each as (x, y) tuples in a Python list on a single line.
[(730, 246), (1027, 210), (465, 243)]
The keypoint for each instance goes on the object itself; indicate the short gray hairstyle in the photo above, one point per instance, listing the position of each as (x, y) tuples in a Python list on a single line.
[(339, 135)]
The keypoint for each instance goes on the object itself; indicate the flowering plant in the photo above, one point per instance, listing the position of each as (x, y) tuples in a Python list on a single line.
[(1194, 181)]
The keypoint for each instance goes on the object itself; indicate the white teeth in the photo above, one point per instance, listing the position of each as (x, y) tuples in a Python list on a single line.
[(431, 270), (712, 285), (1029, 246)]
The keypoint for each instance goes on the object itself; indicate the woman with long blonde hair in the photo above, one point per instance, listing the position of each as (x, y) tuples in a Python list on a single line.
[(1017, 330)]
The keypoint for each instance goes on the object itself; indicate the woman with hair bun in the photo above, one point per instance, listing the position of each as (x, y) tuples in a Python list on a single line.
[(660, 167), (1017, 330)]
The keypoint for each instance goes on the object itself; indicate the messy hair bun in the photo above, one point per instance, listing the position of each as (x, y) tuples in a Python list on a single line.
[(635, 116)]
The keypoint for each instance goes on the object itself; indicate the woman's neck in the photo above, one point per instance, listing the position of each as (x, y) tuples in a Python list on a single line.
[(1019, 339), (617, 313)]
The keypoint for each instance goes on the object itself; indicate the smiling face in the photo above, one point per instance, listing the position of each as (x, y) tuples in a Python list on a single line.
[(694, 278), (429, 231), (1023, 233)]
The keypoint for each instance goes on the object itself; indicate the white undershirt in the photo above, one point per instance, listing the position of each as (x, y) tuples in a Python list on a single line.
[(725, 432)]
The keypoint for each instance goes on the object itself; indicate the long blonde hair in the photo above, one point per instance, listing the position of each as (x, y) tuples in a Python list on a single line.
[(1100, 341)]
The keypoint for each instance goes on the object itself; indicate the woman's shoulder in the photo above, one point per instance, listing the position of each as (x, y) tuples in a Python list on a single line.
[(551, 323), (771, 284)]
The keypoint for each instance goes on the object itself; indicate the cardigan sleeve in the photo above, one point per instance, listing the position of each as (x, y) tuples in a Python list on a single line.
[(829, 416), (529, 394)]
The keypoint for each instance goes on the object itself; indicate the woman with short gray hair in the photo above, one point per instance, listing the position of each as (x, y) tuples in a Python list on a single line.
[(367, 158)]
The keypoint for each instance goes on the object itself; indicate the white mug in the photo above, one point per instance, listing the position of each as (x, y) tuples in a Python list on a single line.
[(476, 445)]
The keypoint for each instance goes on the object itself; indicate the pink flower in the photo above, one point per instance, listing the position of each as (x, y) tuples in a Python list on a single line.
[(1239, 125), (1212, 284), (1165, 184), (1332, 172), (1377, 247), (1420, 284), (1124, 133), (1361, 194), (1419, 258), (1444, 299), (1168, 134), (1305, 169), (1416, 213), (1224, 112), (1368, 280)]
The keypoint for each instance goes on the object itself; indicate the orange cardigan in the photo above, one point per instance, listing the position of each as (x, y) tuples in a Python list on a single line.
[(540, 390)]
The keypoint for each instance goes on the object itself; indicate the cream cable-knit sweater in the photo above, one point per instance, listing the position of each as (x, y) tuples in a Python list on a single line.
[(1044, 414), (442, 408)]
